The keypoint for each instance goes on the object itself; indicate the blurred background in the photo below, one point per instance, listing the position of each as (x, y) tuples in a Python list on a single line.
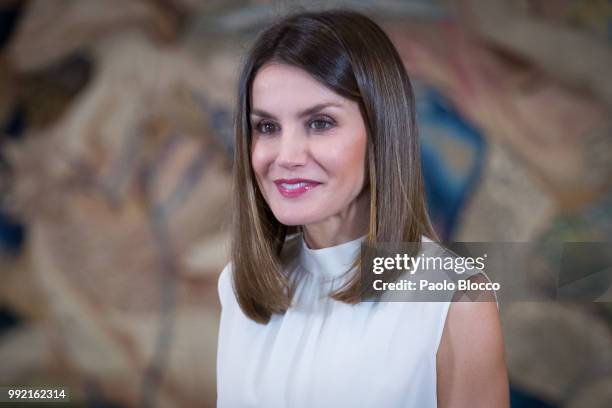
[(115, 164)]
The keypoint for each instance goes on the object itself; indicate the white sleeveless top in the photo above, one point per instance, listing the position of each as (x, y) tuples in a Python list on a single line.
[(325, 353)]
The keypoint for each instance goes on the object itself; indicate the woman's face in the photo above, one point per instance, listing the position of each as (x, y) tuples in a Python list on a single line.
[(308, 146)]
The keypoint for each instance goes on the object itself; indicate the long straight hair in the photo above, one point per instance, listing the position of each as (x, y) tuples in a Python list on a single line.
[(351, 55)]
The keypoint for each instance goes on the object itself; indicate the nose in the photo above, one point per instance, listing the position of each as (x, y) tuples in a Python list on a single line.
[(293, 151)]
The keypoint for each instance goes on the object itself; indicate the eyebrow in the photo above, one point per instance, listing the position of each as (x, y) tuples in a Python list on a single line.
[(309, 111)]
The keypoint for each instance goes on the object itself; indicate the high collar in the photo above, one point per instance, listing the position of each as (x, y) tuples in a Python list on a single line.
[(331, 262)]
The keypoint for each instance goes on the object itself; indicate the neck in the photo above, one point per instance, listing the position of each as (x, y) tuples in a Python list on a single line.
[(335, 230)]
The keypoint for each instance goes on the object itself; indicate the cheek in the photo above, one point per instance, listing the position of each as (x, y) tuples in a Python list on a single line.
[(261, 158), (346, 161)]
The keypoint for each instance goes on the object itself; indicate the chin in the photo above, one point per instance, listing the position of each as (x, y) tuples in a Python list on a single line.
[(293, 217)]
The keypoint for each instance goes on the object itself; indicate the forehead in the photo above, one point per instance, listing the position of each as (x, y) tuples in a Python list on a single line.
[(283, 87)]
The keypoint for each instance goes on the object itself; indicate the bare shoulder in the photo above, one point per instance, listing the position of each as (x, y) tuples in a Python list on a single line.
[(471, 367)]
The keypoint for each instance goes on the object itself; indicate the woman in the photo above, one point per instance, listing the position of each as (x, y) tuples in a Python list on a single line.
[(327, 157)]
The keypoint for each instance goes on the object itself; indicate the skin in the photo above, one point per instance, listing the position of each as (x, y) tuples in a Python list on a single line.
[(329, 146), (470, 363)]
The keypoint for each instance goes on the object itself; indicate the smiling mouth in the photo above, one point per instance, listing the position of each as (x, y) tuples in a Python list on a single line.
[(295, 187)]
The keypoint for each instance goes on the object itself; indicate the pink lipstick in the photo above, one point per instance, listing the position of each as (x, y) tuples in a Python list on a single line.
[(292, 188)]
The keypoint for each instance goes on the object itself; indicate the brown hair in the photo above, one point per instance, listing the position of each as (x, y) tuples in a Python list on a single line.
[(350, 54)]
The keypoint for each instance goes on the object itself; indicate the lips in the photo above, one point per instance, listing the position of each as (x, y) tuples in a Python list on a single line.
[(292, 188)]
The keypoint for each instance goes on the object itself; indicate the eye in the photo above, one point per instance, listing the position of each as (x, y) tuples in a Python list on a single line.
[(321, 124), (265, 128)]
